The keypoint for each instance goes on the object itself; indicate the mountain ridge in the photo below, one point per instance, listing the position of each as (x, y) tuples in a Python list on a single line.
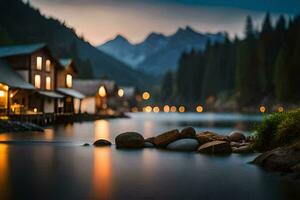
[(158, 53)]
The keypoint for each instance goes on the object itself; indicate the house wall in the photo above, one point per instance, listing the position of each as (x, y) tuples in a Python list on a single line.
[(48, 105), (43, 73), (77, 103), (61, 76), (88, 105)]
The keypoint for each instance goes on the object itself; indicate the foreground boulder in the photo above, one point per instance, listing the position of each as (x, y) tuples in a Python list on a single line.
[(207, 136), (148, 145), (188, 132), (215, 147), (129, 140), (150, 140), (236, 137), (102, 143), (184, 145), (283, 159), (242, 149), (164, 139)]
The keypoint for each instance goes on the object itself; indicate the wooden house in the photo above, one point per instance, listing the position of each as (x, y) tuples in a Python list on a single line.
[(35, 64), (64, 81), (95, 93)]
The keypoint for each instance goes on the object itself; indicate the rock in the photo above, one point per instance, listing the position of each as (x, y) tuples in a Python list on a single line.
[(164, 139), (207, 136), (148, 145), (86, 144), (215, 147), (102, 143), (242, 149), (236, 137), (129, 140), (188, 132), (283, 159), (187, 144), (238, 144)]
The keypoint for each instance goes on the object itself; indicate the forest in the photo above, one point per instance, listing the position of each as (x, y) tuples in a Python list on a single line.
[(261, 69)]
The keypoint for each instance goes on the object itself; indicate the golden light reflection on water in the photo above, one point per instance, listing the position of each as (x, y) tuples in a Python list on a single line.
[(102, 130), (102, 173), (148, 129), (4, 170), (49, 134)]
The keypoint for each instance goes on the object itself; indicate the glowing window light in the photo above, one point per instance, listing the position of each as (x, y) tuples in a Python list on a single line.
[(5, 87), (48, 83), (37, 81), (262, 109), (102, 91), (39, 63), (166, 108), (280, 109), (121, 92), (146, 95), (2, 93), (48, 65), (156, 109), (69, 80), (199, 109), (35, 110), (173, 109), (181, 109)]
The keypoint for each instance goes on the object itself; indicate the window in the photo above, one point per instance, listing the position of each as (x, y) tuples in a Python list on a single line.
[(48, 83), (69, 80), (48, 65), (37, 81), (39, 63)]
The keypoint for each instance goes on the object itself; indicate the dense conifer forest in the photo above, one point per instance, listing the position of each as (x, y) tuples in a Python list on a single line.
[(261, 68)]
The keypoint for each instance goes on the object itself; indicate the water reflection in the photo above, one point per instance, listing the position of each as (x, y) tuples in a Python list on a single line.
[(102, 130), (4, 170), (102, 173)]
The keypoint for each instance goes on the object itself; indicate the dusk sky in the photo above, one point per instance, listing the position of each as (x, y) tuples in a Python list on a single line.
[(101, 20)]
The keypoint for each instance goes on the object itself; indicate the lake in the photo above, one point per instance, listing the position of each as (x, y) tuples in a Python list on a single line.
[(55, 165)]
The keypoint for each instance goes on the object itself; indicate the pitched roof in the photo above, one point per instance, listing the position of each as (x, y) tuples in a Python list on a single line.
[(51, 94), (70, 92), (65, 62), (11, 78), (13, 50), (87, 87), (109, 85)]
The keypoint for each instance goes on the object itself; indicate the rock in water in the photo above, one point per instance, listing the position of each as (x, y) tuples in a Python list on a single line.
[(236, 137), (215, 147), (129, 140), (283, 159), (164, 139), (242, 149), (150, 140), (188, 132), (102, 143), (207, 136), (184, 145)]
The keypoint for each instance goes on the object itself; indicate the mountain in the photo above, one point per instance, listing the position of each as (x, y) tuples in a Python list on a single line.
[(25, 24), (158, 53)]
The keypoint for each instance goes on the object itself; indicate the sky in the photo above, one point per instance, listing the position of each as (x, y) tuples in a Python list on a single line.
[(101, 20)]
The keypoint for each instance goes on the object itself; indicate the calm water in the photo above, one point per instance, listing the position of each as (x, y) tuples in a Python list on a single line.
[(54, 165)]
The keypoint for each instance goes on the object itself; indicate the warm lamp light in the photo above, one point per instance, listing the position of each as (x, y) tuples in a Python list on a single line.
[(280, 109), (166, 108), (146, 95), (147, 109), (2, 93), (199, 109), (262, 109), (156, 109), (173, 109), (181, 109)]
